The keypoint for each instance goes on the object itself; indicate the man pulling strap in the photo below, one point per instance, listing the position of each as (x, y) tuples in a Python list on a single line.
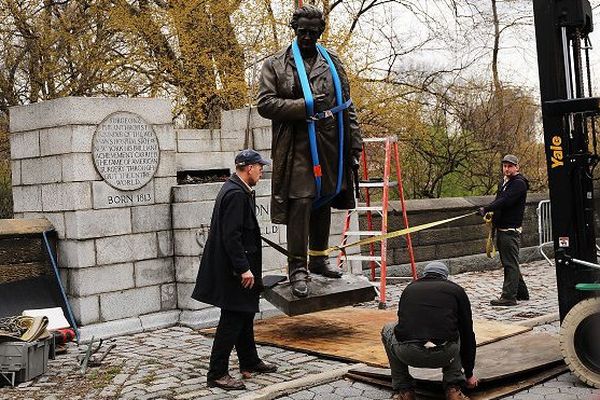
[(316, 143)]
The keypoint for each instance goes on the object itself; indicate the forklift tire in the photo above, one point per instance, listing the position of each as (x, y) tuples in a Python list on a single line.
[(579, 343)]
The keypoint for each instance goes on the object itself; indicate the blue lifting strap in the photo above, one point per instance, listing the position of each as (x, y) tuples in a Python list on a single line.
[(329, 113), (312, 130)]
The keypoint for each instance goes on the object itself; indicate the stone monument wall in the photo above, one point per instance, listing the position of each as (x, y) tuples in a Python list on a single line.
[(101, 170), (205, 149)]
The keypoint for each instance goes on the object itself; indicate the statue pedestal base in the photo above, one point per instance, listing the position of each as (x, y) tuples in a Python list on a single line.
[(324, 294)]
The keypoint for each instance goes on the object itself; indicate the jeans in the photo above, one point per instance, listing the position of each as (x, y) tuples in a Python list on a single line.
[(401, 355), (235, 328), (508, 243)]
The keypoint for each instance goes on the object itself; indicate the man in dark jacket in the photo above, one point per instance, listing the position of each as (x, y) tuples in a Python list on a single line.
[(508, 209), (434, 330), (296, 200), (230, 273)]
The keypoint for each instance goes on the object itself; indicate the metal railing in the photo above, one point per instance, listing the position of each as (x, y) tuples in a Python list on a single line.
[(544, 228)]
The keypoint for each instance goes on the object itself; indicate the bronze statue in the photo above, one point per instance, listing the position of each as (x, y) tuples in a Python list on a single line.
[(316, 143)]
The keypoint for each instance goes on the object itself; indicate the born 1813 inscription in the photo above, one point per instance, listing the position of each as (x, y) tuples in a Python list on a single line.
[(126, 151)]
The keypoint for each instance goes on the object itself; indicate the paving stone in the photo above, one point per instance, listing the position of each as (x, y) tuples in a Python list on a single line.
[(348, 391), (304, 395)]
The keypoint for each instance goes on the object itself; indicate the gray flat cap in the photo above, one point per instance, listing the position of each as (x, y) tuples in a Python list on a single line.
[(436, 267), (511, 158)]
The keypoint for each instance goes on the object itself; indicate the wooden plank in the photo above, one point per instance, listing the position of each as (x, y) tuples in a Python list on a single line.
[(508, 357), (17, 227), (352, 334), (504, 359), (502, 389)]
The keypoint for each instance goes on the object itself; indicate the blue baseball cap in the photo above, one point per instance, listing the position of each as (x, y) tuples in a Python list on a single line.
[(249, 157)]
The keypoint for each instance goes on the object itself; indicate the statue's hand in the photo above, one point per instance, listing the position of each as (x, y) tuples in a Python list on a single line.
[(355, 160), (319, 101)]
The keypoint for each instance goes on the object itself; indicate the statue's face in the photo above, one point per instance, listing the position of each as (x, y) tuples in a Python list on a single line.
[(308, 32)]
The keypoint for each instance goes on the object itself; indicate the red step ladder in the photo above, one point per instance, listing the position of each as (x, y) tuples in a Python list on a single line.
[(368, 184)]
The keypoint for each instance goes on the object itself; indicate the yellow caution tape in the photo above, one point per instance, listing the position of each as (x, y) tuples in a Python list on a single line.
[(388, 235), (490, 248)]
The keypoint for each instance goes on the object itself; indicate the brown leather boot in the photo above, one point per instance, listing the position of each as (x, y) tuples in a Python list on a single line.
[(453, 392), (406, 394), (227, 382)]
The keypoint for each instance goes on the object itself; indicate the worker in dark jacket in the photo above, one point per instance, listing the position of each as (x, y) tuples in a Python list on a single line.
[(230, 273), (434, 330), (295, 200), (508, 209)]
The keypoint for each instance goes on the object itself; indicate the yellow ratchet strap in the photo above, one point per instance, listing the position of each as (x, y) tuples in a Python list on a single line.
[(490, 248), (388, 235)]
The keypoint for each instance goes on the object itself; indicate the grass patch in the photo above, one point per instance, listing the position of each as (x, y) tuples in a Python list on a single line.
[(101, 378)]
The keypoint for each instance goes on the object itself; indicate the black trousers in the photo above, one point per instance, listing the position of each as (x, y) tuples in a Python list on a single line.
[(305, 226), (235, 329)]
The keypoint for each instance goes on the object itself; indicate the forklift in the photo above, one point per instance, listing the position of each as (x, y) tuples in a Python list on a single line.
[(569, 111)]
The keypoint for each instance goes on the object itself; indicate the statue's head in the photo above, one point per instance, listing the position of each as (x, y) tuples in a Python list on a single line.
[(308, 23)]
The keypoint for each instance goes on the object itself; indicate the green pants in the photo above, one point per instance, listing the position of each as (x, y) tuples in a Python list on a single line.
[(508, 243)]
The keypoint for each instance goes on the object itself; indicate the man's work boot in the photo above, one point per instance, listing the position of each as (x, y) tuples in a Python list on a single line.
[(406, 394), (299, 282), (503, 302), (453, 392), (226, 382), (320, 265), (260, 368)]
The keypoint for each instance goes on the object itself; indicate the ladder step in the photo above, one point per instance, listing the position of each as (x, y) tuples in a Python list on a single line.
[(363, 233), (368, 208), (378, 140), (363, 184), (364, 258)]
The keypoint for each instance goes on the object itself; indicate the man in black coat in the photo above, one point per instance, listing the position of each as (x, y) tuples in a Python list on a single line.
[(434, 330), (230, 274), (508, 209)]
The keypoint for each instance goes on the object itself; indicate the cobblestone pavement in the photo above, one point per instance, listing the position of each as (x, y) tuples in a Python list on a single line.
[(172, 363)]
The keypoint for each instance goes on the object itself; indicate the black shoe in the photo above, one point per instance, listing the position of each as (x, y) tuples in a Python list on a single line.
[(524, 297), (299, 282), (226, 382), (503, 302), (260, 368), (321, 266)]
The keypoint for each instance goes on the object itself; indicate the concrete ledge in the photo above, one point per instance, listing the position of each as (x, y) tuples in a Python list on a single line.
[(284, 388), (456, 203), (160, 320), (457, 265), (205, 318), (110, 329), (85, 111), (541, 320)]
